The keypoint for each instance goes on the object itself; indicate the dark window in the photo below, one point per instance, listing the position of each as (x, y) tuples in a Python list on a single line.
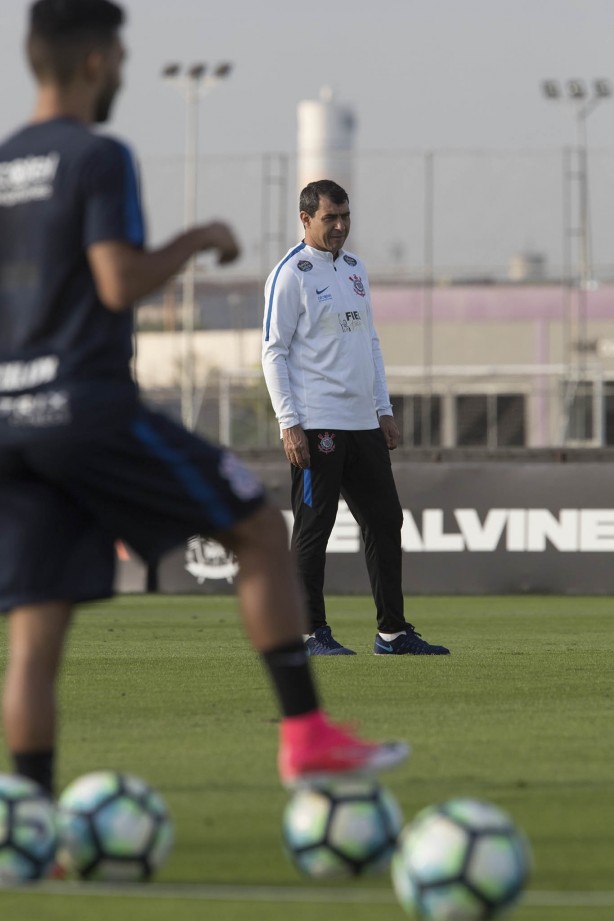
[(578, 408), (609, 413), (472, 420), (418, 417), (510, 420), (493, 420)]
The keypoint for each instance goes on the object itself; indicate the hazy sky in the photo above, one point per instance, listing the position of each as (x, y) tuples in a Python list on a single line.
[(418, 73)]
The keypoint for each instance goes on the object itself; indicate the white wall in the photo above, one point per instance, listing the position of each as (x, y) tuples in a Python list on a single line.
[(159, 355)]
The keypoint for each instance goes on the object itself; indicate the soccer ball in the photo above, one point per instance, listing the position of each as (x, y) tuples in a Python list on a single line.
[(463, 860), (341, 830), (27, 830), (112, 826)]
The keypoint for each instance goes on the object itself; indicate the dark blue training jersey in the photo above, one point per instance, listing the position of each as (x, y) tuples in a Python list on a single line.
[(62, 189)]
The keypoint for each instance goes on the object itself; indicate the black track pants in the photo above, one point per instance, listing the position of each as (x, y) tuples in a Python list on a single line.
[(356, 466)]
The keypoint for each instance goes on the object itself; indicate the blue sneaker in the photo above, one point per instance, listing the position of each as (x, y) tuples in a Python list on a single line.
[(322, 643), (409, 643)]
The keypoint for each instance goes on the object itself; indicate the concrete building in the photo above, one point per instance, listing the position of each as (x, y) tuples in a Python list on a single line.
[(484, 365)]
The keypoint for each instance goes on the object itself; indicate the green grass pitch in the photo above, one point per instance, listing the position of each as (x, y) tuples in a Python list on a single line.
[(521, 713)]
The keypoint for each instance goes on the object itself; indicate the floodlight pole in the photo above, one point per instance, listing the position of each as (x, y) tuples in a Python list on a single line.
[(585, 102), (195, 83), (427, 319), (586, 269)]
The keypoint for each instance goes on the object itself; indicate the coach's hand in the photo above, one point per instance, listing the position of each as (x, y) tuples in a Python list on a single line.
[(296, 446), (390, 430)]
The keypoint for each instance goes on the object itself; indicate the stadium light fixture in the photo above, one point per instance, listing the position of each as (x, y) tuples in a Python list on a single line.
[(197, 71), (551, 89), (602, 88), (584, 95), (578, 92), (222, 70), (170, 71), (194, 81), (576, 89)]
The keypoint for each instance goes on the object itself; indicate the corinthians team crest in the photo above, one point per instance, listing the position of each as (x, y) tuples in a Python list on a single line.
[(359, 288), (206, 559), (327, 443)]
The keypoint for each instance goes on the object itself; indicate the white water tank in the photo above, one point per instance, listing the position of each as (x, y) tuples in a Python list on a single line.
[(325, 141)]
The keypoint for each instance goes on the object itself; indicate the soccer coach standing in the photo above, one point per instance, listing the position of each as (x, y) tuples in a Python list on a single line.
[(325, 375)]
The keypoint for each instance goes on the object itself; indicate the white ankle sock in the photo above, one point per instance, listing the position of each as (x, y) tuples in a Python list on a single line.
[(389, 637)]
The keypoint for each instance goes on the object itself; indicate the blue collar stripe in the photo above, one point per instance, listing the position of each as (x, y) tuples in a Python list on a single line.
[(292, 253)]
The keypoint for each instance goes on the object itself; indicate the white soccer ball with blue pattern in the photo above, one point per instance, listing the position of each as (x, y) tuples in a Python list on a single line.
[(28, 836), (463, 860), (342, 830), (112, 826)]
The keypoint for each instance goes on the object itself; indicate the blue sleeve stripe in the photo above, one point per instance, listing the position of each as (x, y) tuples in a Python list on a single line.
[(307, 488), (133, 213), (187, 475), (292, 253)]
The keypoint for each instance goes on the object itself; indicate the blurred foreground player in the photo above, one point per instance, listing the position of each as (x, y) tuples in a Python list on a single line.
[(82, 461)]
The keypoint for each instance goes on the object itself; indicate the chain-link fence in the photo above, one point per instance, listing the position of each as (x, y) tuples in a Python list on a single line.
[(451, 215)]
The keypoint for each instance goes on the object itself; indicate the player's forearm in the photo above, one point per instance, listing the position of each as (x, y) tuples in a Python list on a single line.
[(124, 274)]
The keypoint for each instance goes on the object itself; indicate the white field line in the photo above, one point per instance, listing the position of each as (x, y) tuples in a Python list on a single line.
[(212, 893)]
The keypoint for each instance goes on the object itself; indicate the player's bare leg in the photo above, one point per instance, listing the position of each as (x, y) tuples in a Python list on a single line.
[(269, 592), (271, 599), (36, 639)]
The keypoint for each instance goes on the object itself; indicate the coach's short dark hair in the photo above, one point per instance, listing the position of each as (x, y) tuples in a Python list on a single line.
[(63, 31), (323, 188)]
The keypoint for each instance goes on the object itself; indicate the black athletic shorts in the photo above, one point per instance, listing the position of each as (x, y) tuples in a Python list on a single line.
[(65, 500)]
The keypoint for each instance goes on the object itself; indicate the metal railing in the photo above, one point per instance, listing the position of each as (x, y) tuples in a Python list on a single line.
[(493, 407)]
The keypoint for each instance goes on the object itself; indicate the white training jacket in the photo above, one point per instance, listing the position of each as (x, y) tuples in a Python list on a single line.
[(321, 355)]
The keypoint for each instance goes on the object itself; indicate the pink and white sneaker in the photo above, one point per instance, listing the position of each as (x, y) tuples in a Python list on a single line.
[(313, 750)]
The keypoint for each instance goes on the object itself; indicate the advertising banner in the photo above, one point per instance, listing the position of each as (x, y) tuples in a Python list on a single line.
[(469, 528)]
